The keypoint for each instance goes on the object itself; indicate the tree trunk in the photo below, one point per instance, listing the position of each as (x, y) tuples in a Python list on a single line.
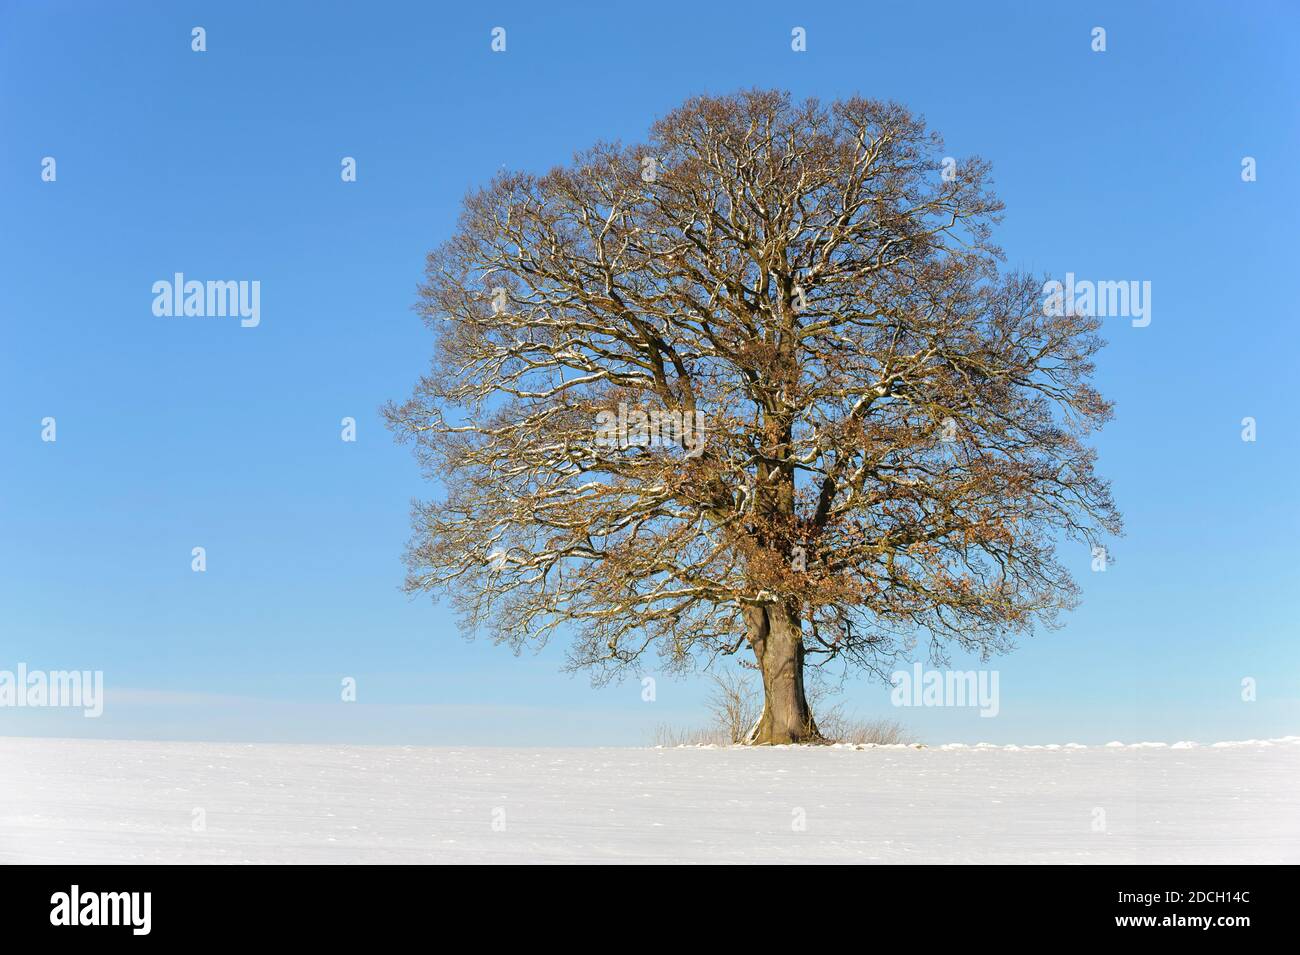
[(776, 638)]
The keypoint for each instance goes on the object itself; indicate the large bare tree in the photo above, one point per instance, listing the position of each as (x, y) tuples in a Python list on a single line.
[(757, 383)]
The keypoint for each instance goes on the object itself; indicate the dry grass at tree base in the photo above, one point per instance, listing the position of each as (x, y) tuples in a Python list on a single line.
[(736, 703)]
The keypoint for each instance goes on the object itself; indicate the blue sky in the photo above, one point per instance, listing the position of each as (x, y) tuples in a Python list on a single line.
[(183, 432)]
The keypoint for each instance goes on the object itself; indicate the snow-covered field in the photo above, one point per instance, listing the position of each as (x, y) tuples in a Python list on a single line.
[(97, 801)]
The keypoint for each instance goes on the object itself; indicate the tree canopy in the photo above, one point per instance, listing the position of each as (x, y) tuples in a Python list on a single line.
[(839, 426)]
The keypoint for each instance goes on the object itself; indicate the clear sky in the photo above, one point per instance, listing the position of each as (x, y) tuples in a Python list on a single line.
[(174, 433)]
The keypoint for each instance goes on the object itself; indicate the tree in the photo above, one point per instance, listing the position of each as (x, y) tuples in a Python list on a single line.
[(756, 383)]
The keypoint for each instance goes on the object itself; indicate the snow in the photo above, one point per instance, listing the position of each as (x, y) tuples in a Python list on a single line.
[(105, 801)]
